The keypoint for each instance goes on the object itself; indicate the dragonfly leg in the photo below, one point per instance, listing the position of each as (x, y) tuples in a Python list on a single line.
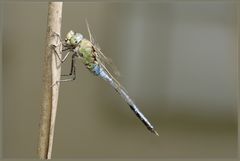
[(65, 57), (73, 67), (57, 35), (72, 72), (58, 54), (60, 42)]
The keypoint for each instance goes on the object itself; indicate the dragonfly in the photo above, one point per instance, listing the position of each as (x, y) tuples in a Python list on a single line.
[(98, 64)]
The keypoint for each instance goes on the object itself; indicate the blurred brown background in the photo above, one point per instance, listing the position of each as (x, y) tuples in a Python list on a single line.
[(176, 60)]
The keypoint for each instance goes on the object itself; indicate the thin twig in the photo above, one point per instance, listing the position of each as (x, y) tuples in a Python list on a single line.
[(51, 74)]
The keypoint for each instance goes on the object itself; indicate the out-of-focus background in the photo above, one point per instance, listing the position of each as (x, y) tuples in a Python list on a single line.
[(176, 61)]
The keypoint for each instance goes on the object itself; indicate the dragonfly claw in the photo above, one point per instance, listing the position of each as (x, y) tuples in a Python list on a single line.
[(56, 83)]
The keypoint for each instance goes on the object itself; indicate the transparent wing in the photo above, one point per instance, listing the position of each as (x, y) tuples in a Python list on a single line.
[(119, 86), (89, 32), (105, 61)]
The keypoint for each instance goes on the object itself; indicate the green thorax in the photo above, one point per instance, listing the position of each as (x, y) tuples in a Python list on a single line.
[(87, 51)]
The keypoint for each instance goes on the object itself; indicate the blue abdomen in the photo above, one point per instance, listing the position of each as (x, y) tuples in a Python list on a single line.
[(97, 69), (100, 72)]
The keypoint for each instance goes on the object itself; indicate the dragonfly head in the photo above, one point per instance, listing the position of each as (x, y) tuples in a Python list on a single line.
[(73, 38)]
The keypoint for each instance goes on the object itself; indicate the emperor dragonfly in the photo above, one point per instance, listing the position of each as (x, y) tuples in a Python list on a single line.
[(96, 62)]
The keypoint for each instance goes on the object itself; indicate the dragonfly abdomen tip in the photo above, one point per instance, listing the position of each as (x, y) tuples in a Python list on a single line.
[(155, 132)]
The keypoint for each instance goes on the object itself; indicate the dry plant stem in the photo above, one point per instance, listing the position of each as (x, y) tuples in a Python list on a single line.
[(51, 73)]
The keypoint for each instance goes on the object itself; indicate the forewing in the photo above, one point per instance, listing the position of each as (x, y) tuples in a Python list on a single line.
[(110, 75), (107, 61), (101, 57)]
